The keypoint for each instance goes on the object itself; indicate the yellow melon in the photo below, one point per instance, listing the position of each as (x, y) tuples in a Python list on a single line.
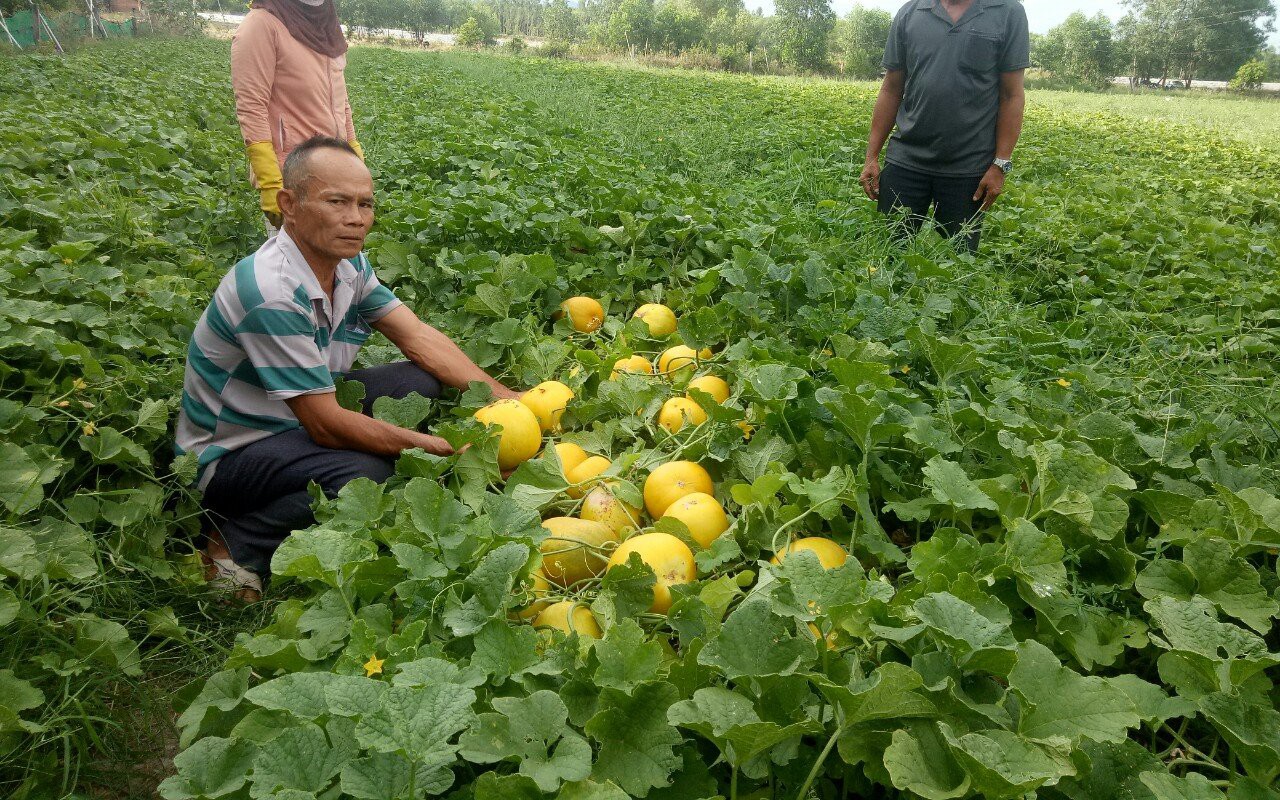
[(521, 437), (638, 365), (571, 455), (539, 589), (680, 411), (702, 514), (830, 555), (602, 506), (568, 616), (585, 471), (577, 549), (660, 319), (586, 314), (670, 559), (677, 362), (671, 481), (548, 401), (712, 385)]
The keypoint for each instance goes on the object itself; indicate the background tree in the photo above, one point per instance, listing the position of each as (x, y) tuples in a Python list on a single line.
[(1080, 49), (1187, 39), (631, 25), (679, 26), (559, 23), (470, 34), (860, 39), (422, 17), (1272, 59), (804, 27), (1250, 75)]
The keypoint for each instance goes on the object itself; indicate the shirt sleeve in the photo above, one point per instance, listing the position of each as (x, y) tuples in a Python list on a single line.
[(279, 341), (1017, 41), (895, 51), (253, 71), (375, 301)]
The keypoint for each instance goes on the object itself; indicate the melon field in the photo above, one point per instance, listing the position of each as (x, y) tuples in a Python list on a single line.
[(996, 526)]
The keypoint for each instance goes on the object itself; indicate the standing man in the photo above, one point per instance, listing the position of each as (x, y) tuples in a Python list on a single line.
[(287, 72), (954, 88), (259, 407)]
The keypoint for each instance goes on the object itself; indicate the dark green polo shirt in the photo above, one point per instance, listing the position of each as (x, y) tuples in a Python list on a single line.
[(946, 124)]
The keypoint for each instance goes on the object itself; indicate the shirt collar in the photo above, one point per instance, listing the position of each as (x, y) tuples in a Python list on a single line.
[(344, 277), (978, 7)]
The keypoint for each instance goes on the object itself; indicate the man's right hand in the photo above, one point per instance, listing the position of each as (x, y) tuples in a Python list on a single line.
[(870, 178), (436, 446)]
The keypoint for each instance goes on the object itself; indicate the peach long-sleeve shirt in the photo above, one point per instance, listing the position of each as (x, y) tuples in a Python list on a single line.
[(285, 91)]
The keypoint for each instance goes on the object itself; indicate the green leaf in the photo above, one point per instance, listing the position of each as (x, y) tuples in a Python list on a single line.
[(1251, 727), (388, 776), (1164, 786), (775, 381), (755, 642), (302, 758), (405, 412), (590, 790), (888, 693), (964, 629), (637, 744), (729, 720), (212, 767), (626, 659), (17, 695), (321, 554), (1003, 765), (491, 786), (919, 761), (1231, 583), (949, 484), (1059, 703), (418, 721), (22, 480), (531, 731)]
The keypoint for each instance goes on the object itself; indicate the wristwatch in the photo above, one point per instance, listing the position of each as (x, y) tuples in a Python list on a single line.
[(1005, 165)]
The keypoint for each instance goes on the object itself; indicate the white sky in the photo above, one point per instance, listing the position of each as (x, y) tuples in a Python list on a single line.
[(1041, 14)]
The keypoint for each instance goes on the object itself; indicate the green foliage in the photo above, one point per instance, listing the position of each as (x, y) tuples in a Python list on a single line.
[(469, 34), (1053, 463), (1185, 39), (803, 30), (1080, 49), (1250, 75), (861, 38)]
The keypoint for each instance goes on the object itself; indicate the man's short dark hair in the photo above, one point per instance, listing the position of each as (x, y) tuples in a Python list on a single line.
[(297, 172)]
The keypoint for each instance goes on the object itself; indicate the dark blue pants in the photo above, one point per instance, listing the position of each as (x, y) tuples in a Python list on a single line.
[(258, 494), (954, 208)]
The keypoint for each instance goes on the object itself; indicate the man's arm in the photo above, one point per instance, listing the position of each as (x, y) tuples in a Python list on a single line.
[(436, 353), (1013, 102), (330, 425), (882, 119)]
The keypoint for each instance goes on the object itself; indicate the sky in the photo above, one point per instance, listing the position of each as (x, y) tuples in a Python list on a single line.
[(1041, 14)]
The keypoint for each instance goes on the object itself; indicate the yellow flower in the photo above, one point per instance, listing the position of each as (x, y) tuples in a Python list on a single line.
[(872, 270), (63, 403), (747, 429), (373, 666), (90, 429), (826, 352), (1064, 383), (78, 384), (905, 369)]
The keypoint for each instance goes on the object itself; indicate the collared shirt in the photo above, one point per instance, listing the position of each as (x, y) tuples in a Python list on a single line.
[(269, 334), (946, 124)]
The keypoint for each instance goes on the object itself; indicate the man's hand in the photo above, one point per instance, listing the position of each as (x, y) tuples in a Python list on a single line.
[(992, 186), (503, 393), (870, 178), (435, 445)]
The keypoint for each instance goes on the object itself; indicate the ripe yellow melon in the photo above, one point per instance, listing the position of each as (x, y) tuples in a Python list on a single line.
[(571, 455), (548, 401), (677, 362), (670, 559), (520, 438), (702, 514), (586, 314), (588, 469), (568, 616), (540, 589), (830, 555), (575, 550), (602, 506), (671, 481), (712, 385), (660, 319), (680, 411), (638, 365)]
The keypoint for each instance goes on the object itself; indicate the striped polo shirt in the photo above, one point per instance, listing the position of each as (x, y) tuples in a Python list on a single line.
[(270, 334)]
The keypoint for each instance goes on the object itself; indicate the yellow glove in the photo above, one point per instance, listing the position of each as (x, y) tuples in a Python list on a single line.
[(266, 171), (359, 150)]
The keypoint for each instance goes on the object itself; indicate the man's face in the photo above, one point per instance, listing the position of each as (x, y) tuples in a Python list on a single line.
[(333, 211)]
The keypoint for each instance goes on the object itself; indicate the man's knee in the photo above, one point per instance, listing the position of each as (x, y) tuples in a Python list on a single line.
[(352, 465)]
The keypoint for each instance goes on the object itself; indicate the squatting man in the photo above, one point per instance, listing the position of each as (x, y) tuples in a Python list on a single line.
[(259, 404)]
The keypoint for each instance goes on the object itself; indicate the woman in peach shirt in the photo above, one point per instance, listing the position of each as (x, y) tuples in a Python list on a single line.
[(287, 61)]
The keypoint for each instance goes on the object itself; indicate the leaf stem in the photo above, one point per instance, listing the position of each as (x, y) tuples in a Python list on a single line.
[(817, 765)]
